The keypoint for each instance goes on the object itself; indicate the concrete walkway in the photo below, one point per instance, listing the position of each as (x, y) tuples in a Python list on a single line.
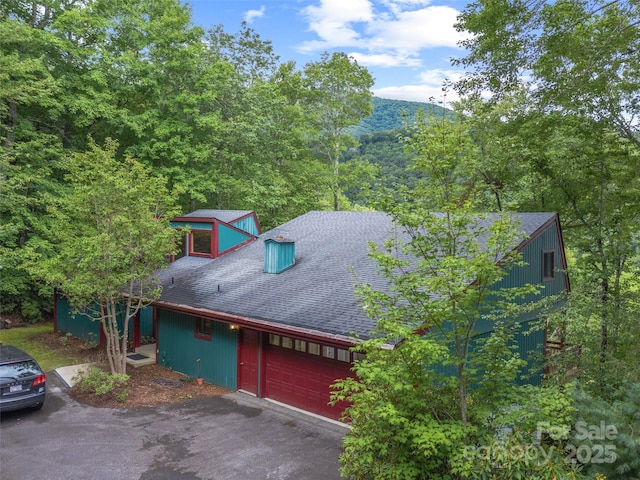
[(70, 374)]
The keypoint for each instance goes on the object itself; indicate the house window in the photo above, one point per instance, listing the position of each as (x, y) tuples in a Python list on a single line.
[(358, 356), (314, 348), (343, 355), (274, 339), (301, 345), (548, 265), (287, 342), (201, 241), (328, 352), (204, 328)]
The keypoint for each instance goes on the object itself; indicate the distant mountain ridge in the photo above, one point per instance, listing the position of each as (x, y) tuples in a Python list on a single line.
[(391, 114)]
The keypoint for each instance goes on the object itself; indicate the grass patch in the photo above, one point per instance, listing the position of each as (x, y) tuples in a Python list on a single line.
[(23, 337)]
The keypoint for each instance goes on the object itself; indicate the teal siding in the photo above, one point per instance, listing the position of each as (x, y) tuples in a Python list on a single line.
[(248, 225), (179, 349), (278, 255), (531, 273), (76, 324), (83, 327), (193, 225), (146, 322), (229, 238), (529, 339)]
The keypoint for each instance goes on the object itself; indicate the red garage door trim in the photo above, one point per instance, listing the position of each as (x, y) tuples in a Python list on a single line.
[(298, 376)]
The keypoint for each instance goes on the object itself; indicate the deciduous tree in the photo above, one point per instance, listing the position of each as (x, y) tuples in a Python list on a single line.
[(29, 156), (110, 234), (215, 114), (428, 391), (564, 79), (338, 96)]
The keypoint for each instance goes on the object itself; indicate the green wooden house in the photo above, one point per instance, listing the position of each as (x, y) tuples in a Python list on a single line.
[(274, 314)]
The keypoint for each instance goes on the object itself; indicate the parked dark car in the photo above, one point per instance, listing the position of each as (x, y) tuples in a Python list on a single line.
[(22, 381)]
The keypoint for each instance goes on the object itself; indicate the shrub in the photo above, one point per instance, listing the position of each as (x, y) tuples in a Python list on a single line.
[(609, 426), (99, 382), (122, 396)]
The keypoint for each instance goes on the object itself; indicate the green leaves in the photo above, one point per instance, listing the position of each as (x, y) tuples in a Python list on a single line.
[(575, 57), (215, 114), (110, 233), (430, 389), (560, 133), (337, 96), (110, 228)]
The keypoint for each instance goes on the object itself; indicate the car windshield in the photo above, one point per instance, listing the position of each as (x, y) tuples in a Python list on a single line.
[(26, 368)]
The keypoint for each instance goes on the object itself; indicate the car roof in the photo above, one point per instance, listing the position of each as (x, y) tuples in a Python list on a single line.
[(9, 353)]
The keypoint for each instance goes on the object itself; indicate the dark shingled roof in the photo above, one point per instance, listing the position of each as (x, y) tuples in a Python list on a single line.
[(317, 294)]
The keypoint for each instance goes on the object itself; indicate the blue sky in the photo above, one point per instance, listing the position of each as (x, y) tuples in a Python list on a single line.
[(406, 44)]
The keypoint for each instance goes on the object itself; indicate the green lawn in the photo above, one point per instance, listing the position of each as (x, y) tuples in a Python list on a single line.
[(23, 338)]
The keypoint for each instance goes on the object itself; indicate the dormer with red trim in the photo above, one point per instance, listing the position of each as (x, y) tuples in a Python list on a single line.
[(212, 233)]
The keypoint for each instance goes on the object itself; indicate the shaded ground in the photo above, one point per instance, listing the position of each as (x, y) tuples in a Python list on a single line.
[(147, 386)]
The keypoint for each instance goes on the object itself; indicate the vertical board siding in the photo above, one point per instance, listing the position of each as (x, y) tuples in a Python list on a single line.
[(179, 349), (229, 238), (193, 225), (531, 273), (83, 327), (530, 341), (248, 225), (278, 256), (76, 324), (146, 321), (120, 311)]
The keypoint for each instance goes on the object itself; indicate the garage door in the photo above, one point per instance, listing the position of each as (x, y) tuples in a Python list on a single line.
[(300, 374)]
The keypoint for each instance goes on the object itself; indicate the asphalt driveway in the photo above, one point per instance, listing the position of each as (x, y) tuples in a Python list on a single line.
[(231, 437)]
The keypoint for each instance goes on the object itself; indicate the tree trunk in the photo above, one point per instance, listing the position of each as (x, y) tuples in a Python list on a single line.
[(116, 343), (462, 393), (604, 334), (104, 323), (336, 185)]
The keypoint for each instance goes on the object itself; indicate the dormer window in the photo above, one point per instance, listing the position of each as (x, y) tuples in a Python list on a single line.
[(548, 265), (213, 233), (201, 242)]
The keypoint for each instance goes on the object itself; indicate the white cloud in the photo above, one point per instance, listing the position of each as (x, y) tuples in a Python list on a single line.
[(339, 11), (333, 22), (250, 15), (402, 3), (439, 75), (393, 33), (406, 44), (428, 89), (414, 93), (386, 60), (415, 30), (396, 6)]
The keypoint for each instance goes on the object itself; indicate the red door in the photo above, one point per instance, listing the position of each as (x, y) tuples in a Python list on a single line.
[(248, 361)]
